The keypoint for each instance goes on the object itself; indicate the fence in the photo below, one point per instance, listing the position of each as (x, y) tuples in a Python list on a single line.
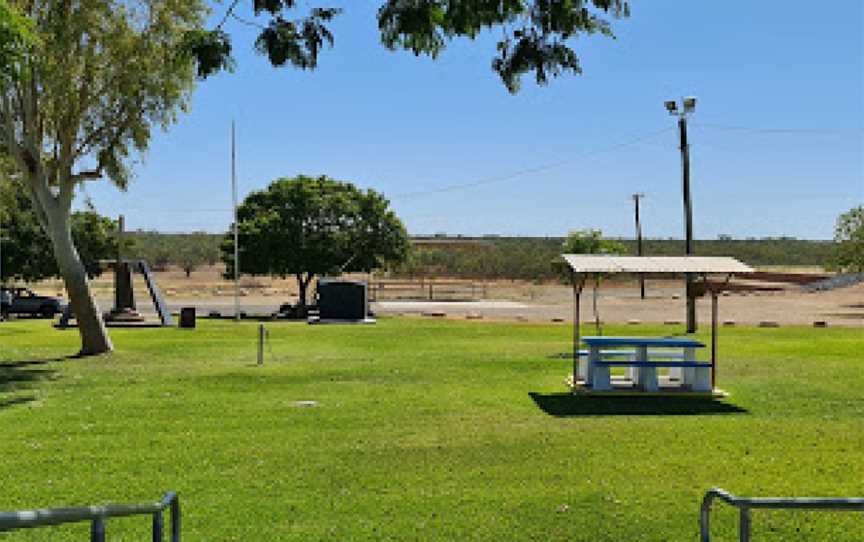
[(97, 516), (745, 504), (450, 290)]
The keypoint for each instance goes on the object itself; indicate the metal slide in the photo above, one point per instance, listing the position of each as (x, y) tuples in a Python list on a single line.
[(155, 294)]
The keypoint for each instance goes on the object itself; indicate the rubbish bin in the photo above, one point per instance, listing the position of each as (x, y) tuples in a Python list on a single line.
[(187, 317)]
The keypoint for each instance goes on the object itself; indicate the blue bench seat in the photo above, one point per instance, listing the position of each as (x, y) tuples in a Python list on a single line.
[(654, 363), (654, 354)]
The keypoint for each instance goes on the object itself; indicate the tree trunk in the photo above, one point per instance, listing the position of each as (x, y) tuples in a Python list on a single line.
[(94, 336)]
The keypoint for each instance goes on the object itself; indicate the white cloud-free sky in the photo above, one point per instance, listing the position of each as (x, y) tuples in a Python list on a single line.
[(777, 138)]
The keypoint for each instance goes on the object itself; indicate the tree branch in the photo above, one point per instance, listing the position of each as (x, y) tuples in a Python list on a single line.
[(228, 13), (87, 175)]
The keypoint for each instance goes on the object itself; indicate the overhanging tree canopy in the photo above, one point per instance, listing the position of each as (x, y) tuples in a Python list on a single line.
[(535, 34)]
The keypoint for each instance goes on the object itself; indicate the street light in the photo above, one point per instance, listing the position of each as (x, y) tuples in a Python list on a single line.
[(688, 106)]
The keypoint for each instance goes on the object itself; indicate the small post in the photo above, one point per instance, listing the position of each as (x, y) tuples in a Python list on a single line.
[(158, 527), (261, 344), (97, 530), (431, 297)]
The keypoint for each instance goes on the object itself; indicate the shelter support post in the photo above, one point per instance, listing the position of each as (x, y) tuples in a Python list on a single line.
[(577, 282), (713, 338), (714, 317)]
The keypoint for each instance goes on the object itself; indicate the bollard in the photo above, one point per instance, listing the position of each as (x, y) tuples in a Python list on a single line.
[(187, 317), (261, 344)]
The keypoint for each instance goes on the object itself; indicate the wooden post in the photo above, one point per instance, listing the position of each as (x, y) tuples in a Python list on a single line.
[(261, 344)]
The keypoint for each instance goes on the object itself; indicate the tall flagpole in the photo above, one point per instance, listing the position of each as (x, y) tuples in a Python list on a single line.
[(236, 235)]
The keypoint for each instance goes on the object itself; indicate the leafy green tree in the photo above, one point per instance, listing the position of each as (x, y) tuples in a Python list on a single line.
[(306, 227), (196, 249), (26, 251), (849, 241), (590, 242), (78, 104)]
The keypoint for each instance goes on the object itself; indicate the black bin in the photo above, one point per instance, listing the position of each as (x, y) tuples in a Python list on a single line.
[(187, 317), (342, 300)]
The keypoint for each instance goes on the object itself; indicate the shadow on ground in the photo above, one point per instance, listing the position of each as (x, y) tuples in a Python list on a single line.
[(20, 376), (567, 404)]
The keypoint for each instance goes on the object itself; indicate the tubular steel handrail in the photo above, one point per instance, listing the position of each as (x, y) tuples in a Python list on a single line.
[(97, 516), (745, 504)]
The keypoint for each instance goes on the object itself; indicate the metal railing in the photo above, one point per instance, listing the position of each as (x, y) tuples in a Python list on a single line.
[(745, 504), (97, 516)]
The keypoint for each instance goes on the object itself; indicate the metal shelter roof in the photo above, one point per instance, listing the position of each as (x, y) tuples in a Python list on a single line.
[(602, 263)]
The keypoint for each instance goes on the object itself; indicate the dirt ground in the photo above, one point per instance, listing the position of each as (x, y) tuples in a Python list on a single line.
[(618, 302)]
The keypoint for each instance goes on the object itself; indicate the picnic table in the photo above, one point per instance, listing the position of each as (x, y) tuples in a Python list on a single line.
[(675, 353), (642, 364)]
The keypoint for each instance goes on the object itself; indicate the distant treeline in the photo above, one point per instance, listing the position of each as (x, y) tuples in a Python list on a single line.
[(530, 258), (187, 251), (527, 258)]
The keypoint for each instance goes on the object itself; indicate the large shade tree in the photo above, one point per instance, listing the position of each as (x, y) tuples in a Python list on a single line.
[(84, 82), (306, 227), (78, 104)]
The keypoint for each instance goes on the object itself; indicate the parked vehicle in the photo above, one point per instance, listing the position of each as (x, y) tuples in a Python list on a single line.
[(26, 301), (5, 304)]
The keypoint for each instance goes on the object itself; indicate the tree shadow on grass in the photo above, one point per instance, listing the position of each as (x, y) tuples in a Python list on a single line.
[(567, 404), (19, 376)]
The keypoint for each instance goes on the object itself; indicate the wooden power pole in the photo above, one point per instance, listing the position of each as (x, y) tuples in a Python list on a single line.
[(636, 198)]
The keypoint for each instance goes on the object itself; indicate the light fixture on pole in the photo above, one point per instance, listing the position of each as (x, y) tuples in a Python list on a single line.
[(686, 107)]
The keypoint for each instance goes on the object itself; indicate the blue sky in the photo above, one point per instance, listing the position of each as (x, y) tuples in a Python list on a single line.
[(550, 159)]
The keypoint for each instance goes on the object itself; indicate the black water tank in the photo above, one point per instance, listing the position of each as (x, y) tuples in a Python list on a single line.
[(340, 299)]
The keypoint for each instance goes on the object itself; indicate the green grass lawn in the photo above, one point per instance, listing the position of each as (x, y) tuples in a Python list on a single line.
[(425, 430)]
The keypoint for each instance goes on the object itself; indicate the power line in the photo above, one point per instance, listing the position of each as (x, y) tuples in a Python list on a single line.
[(535, 169), (759, 130)]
